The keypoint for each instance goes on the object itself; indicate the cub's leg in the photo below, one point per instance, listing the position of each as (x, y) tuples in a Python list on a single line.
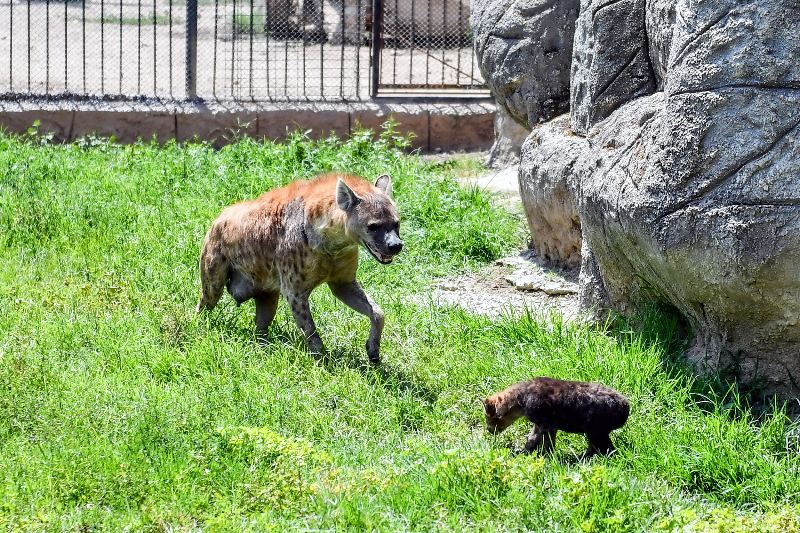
[(301, 312), (598, 443), (266, 306), (354, 297), (542, 440)]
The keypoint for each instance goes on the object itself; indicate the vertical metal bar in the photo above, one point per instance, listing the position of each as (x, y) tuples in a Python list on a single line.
[(11, 47), (428, 47), (395, 33), (120, 46), (102, 47), (191, 48), (359, 34), (47, 48), (472, 59), (65, 47), (139, 49), (377, 45), (233, 44), (214, 73), (459, 42), (305, 44), (287, 4), (358, 25), (411, 46), (341, 53), (155, 55), (171, 93), (83, 30), (444, 37), (251, 47), (267, 29), (29, 45)]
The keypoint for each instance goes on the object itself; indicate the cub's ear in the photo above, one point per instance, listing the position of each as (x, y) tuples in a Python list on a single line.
[(346, 198), (384, 183), (488, 407)]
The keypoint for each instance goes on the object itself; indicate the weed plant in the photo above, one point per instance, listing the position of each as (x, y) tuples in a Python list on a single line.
[(120, 409)]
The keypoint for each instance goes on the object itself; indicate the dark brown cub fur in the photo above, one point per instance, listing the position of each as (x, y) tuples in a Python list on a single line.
[(554, 404)]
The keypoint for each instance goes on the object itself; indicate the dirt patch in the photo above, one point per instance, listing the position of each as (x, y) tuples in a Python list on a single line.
[(497, 289), (512, 283)]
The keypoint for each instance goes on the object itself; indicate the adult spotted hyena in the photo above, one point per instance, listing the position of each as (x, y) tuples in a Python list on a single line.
[(554, 404), (290, 240)]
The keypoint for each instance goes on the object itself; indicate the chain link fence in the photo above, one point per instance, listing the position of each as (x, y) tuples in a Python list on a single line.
[(273, 50)]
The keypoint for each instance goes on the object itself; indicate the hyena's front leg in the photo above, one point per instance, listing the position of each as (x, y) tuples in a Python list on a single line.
[(541, 439), (354, 297), (302, 316)]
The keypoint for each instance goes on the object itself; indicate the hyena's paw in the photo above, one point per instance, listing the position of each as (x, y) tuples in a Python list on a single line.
[(373, 352)]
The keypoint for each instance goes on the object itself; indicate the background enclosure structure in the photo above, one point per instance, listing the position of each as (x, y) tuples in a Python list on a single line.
[(265, 50)]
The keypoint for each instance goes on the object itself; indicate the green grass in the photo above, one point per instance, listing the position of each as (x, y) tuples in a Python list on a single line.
[(121, 409)]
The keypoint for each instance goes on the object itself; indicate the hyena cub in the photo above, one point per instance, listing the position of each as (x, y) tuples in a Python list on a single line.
[(554, 404), (293, 239)]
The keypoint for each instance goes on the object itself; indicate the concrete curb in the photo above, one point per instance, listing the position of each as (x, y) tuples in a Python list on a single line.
[(444, 125)]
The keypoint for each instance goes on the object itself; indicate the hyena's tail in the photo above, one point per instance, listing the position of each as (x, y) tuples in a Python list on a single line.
[(213, 274)]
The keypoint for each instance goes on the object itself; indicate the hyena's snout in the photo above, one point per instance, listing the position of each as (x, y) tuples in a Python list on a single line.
[(393, 244), (384, 247)]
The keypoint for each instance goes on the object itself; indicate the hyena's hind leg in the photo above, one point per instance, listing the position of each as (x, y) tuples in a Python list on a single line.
[(301, 311), (213, 277), (599, 443)]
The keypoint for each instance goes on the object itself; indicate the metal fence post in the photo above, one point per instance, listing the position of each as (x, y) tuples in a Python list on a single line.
[(377, 45), (191, 48)]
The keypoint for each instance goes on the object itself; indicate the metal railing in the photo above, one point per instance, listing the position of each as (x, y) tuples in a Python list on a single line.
[(274, 50)]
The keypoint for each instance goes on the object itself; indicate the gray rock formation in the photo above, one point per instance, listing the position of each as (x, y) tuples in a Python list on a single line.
[(508, 139), (610, 62), (689, 195), (524, 50), (547, 185)]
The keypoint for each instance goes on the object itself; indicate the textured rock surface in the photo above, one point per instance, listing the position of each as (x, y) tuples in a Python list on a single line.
[(696, 206), (611, 60), (547, 186), (524, 50), (508, 139), (691, 195)]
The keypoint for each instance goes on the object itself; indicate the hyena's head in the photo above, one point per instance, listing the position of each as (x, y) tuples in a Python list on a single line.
[(498, 413), (372, 218)]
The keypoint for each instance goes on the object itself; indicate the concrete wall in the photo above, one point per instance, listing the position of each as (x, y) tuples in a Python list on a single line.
[(449, 126)]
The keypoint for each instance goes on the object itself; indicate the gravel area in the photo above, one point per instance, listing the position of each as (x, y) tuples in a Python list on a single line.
[(493, 291)]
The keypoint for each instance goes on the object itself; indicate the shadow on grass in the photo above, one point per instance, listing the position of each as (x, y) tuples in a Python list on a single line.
[(385, 375), (237, 323), (663, 327)]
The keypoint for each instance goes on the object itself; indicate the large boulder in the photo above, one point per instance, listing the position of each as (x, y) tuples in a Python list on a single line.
[(547, 186), (524, 50), (690, 195)]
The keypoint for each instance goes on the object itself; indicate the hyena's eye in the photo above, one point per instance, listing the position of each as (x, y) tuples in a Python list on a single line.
[(372, 227)]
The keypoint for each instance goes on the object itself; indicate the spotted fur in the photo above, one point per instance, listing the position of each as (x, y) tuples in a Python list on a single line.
[(290, 240), (554, 404)]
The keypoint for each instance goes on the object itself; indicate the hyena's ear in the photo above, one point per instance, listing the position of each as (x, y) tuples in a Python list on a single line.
[(346, 198), (384, 183)]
